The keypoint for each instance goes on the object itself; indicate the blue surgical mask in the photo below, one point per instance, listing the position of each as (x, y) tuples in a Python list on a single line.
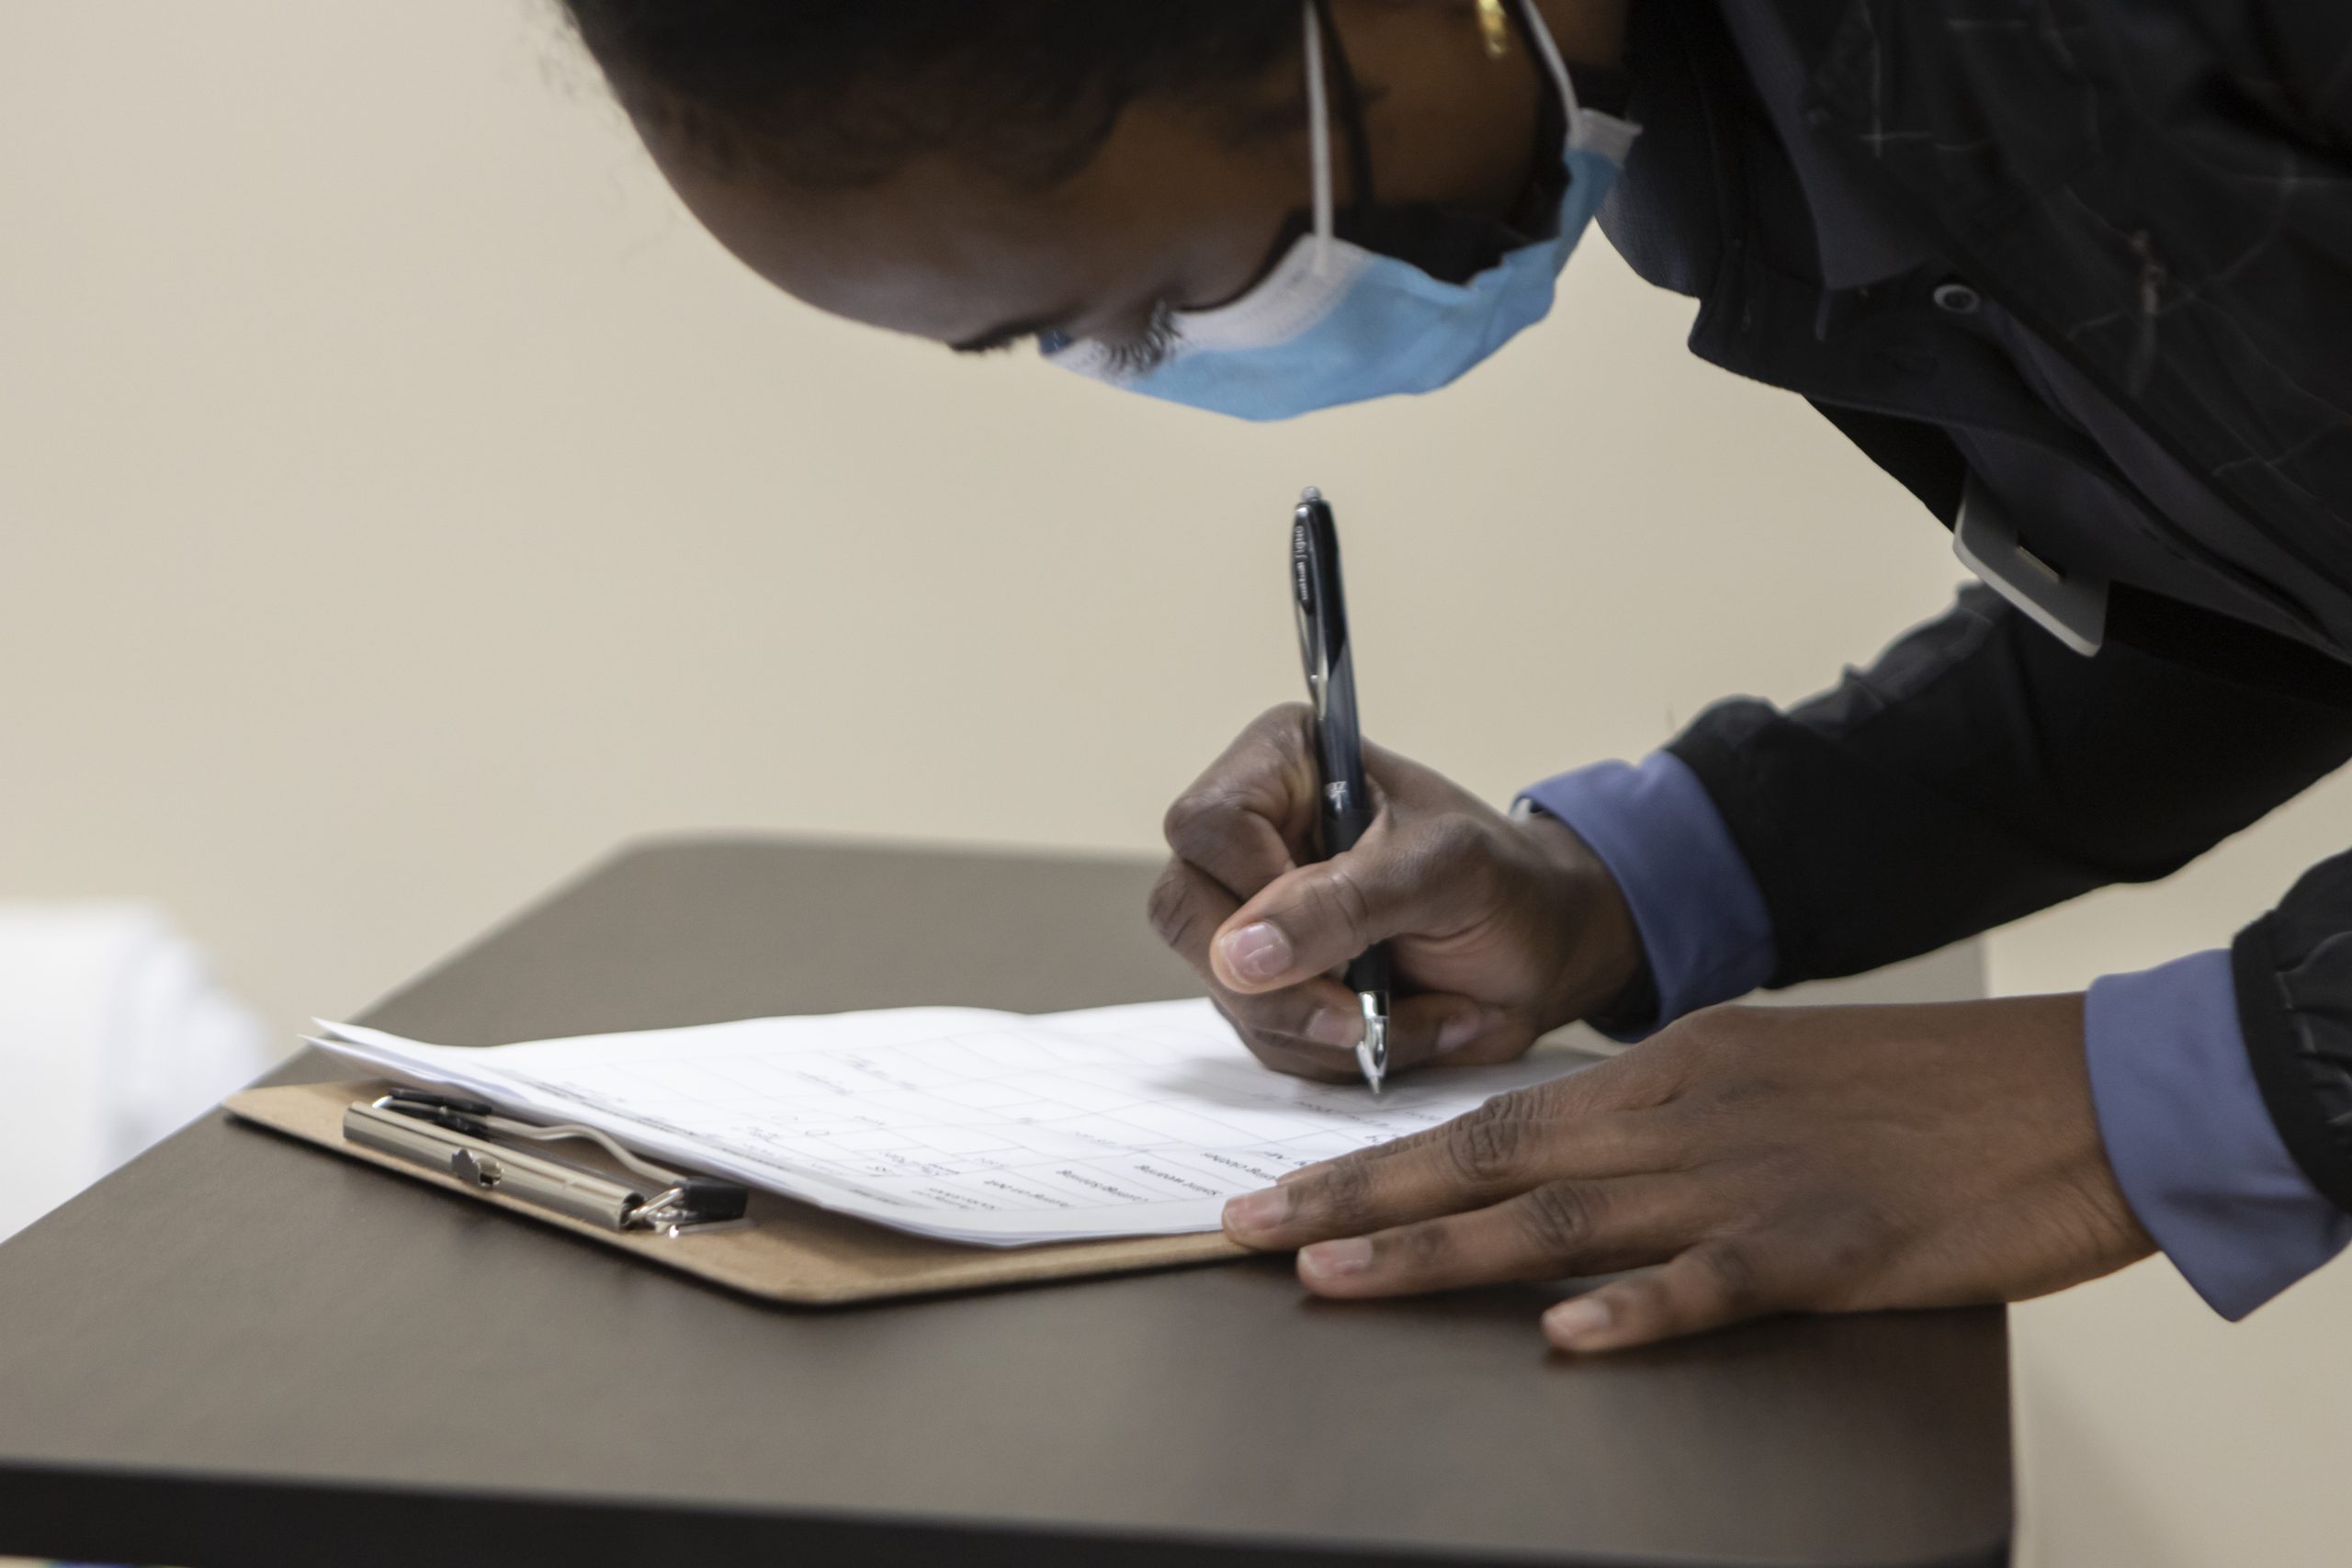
[(1334, 322)]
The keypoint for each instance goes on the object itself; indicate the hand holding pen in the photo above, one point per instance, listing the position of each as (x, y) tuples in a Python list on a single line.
[(1497, 930)]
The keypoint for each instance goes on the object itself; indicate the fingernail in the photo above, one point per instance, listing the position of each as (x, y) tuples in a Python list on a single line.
[(1577, 1318), (1333, 1259), (1257, 1211), (1258, 951), (1458, 1032), (1329, 1026)]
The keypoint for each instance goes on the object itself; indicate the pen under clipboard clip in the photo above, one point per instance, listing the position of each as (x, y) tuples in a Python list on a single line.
[(469, 1141)]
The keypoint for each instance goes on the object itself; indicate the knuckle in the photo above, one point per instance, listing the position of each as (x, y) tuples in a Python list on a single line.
[(1587, 1090), (1846, 1252), (1643, 1299), (1249, 779), (1270, 1021), (1677, 1137), (1734, 1277), (1340, 1197), (1558, 1218), (1170, 907), (1698, 1049), (1278, 1054), (1280, 1018), (1484, 1146), (1177, 819), (1199, 818), (1269, 1045), (1290, 725), (1427, 1249), (1346, 902)]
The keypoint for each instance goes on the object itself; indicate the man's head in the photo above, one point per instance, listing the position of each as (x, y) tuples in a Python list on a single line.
[(980, 171)]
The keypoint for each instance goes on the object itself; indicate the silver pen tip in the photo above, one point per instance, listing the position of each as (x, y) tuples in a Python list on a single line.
[(1371, 1051), (1309, 496)]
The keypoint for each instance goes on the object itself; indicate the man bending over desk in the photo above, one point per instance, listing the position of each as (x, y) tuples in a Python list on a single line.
[(2075, 273)]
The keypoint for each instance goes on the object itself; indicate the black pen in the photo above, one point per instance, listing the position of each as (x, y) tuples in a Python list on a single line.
[(1346, 811)]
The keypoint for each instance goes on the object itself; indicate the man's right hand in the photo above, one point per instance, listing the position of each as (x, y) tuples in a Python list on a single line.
[(1501, 930)]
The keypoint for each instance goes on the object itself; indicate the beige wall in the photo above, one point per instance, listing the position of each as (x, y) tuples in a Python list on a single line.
[(402, 502)]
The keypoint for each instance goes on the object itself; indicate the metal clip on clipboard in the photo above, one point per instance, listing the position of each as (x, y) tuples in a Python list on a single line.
[(468, 1139)]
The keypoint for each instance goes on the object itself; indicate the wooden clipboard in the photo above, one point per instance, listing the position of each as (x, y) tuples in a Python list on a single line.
[(789, 1252)]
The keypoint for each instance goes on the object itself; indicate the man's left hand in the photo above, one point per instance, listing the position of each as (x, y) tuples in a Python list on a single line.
[(1743, 1161)]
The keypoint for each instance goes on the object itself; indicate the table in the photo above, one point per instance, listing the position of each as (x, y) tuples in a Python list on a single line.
[(239, 1352)]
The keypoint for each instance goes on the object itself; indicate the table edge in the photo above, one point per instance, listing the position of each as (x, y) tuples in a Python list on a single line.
[(197, 1518)]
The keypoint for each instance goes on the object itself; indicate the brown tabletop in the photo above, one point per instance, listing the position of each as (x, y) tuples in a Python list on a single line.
[(240, 1352)]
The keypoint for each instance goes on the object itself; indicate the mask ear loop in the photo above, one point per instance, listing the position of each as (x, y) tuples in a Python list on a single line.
[(1539, 37), (1318, 136), (1318, 131)]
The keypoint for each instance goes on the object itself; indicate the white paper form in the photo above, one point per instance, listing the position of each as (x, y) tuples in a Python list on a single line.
[(993, 1128)]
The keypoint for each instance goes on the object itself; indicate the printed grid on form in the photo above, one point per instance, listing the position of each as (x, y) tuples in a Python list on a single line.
[(961, 1123)]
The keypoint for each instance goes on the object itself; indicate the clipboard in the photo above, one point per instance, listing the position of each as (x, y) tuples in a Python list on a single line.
[(781, 1250)]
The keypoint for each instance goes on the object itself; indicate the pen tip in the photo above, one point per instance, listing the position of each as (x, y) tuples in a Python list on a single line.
[(1309, 496)]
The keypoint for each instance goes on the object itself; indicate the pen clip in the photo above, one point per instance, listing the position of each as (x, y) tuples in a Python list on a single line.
[(1309, 523)]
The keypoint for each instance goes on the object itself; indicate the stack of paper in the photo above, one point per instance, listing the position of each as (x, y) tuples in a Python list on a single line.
[(989, 1127)]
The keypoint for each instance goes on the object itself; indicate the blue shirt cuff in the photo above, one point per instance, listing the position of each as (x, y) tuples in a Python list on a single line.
[(1702, 918), (2191, 1143)]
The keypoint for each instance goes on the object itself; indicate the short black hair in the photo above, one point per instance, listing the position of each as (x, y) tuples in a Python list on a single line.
[(842, 92)]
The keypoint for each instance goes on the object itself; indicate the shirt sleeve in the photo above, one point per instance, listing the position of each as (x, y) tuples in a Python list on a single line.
[(1702, 919), (2191, 1142)]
